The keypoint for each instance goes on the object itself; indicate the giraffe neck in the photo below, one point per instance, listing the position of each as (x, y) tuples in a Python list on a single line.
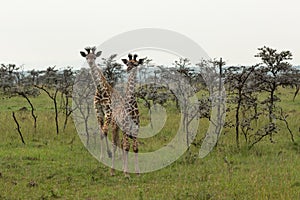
[(97, 76), (130, 91)]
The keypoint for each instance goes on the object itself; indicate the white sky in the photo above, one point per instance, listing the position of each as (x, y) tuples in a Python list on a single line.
[(45, 33)]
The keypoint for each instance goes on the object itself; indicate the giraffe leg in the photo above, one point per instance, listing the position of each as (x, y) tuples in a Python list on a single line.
[(115, 142), (135, 144), (123, 159), (126, 147), (126, 163), (136, 150), (100, 119), (137, 168), (107, 147), (105, 132), (112, 169), (120, 149), (101, 146), (123, 155), (100, 122)]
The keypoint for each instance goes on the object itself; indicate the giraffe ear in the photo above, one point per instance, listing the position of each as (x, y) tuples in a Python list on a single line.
[(141, 61), (88, 49), (83, 54), (125, 61), (98, 53)]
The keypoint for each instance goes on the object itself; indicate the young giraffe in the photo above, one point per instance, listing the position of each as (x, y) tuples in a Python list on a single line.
[(127, 114), (102, 101)]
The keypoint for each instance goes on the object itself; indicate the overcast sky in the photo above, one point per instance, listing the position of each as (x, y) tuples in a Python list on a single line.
[(40, 33)]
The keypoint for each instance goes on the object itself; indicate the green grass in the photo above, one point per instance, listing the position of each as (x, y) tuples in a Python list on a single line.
[(54, 166)]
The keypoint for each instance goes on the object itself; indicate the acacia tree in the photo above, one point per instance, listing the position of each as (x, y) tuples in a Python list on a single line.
[(66, 89), (149, 88), (35, 76), (15, 82), (112, 70), (179, 86), (50, 86), (241, 88), (183, 66), (25, 94), (273, 73), (9, 77), (84, 91), (295, 81), (212, 76)]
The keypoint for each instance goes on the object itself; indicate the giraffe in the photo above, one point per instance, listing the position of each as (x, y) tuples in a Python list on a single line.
[(115, 108), (127, 113), (102, 102)]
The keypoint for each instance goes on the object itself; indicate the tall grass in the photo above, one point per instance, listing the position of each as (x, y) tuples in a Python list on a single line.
[(54, 166)]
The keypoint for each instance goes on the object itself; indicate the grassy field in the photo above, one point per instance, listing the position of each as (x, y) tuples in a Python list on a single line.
[(54, 166)]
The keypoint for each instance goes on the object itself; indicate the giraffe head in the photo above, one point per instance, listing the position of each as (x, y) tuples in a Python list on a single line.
[(91, 54), (132, 62)]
